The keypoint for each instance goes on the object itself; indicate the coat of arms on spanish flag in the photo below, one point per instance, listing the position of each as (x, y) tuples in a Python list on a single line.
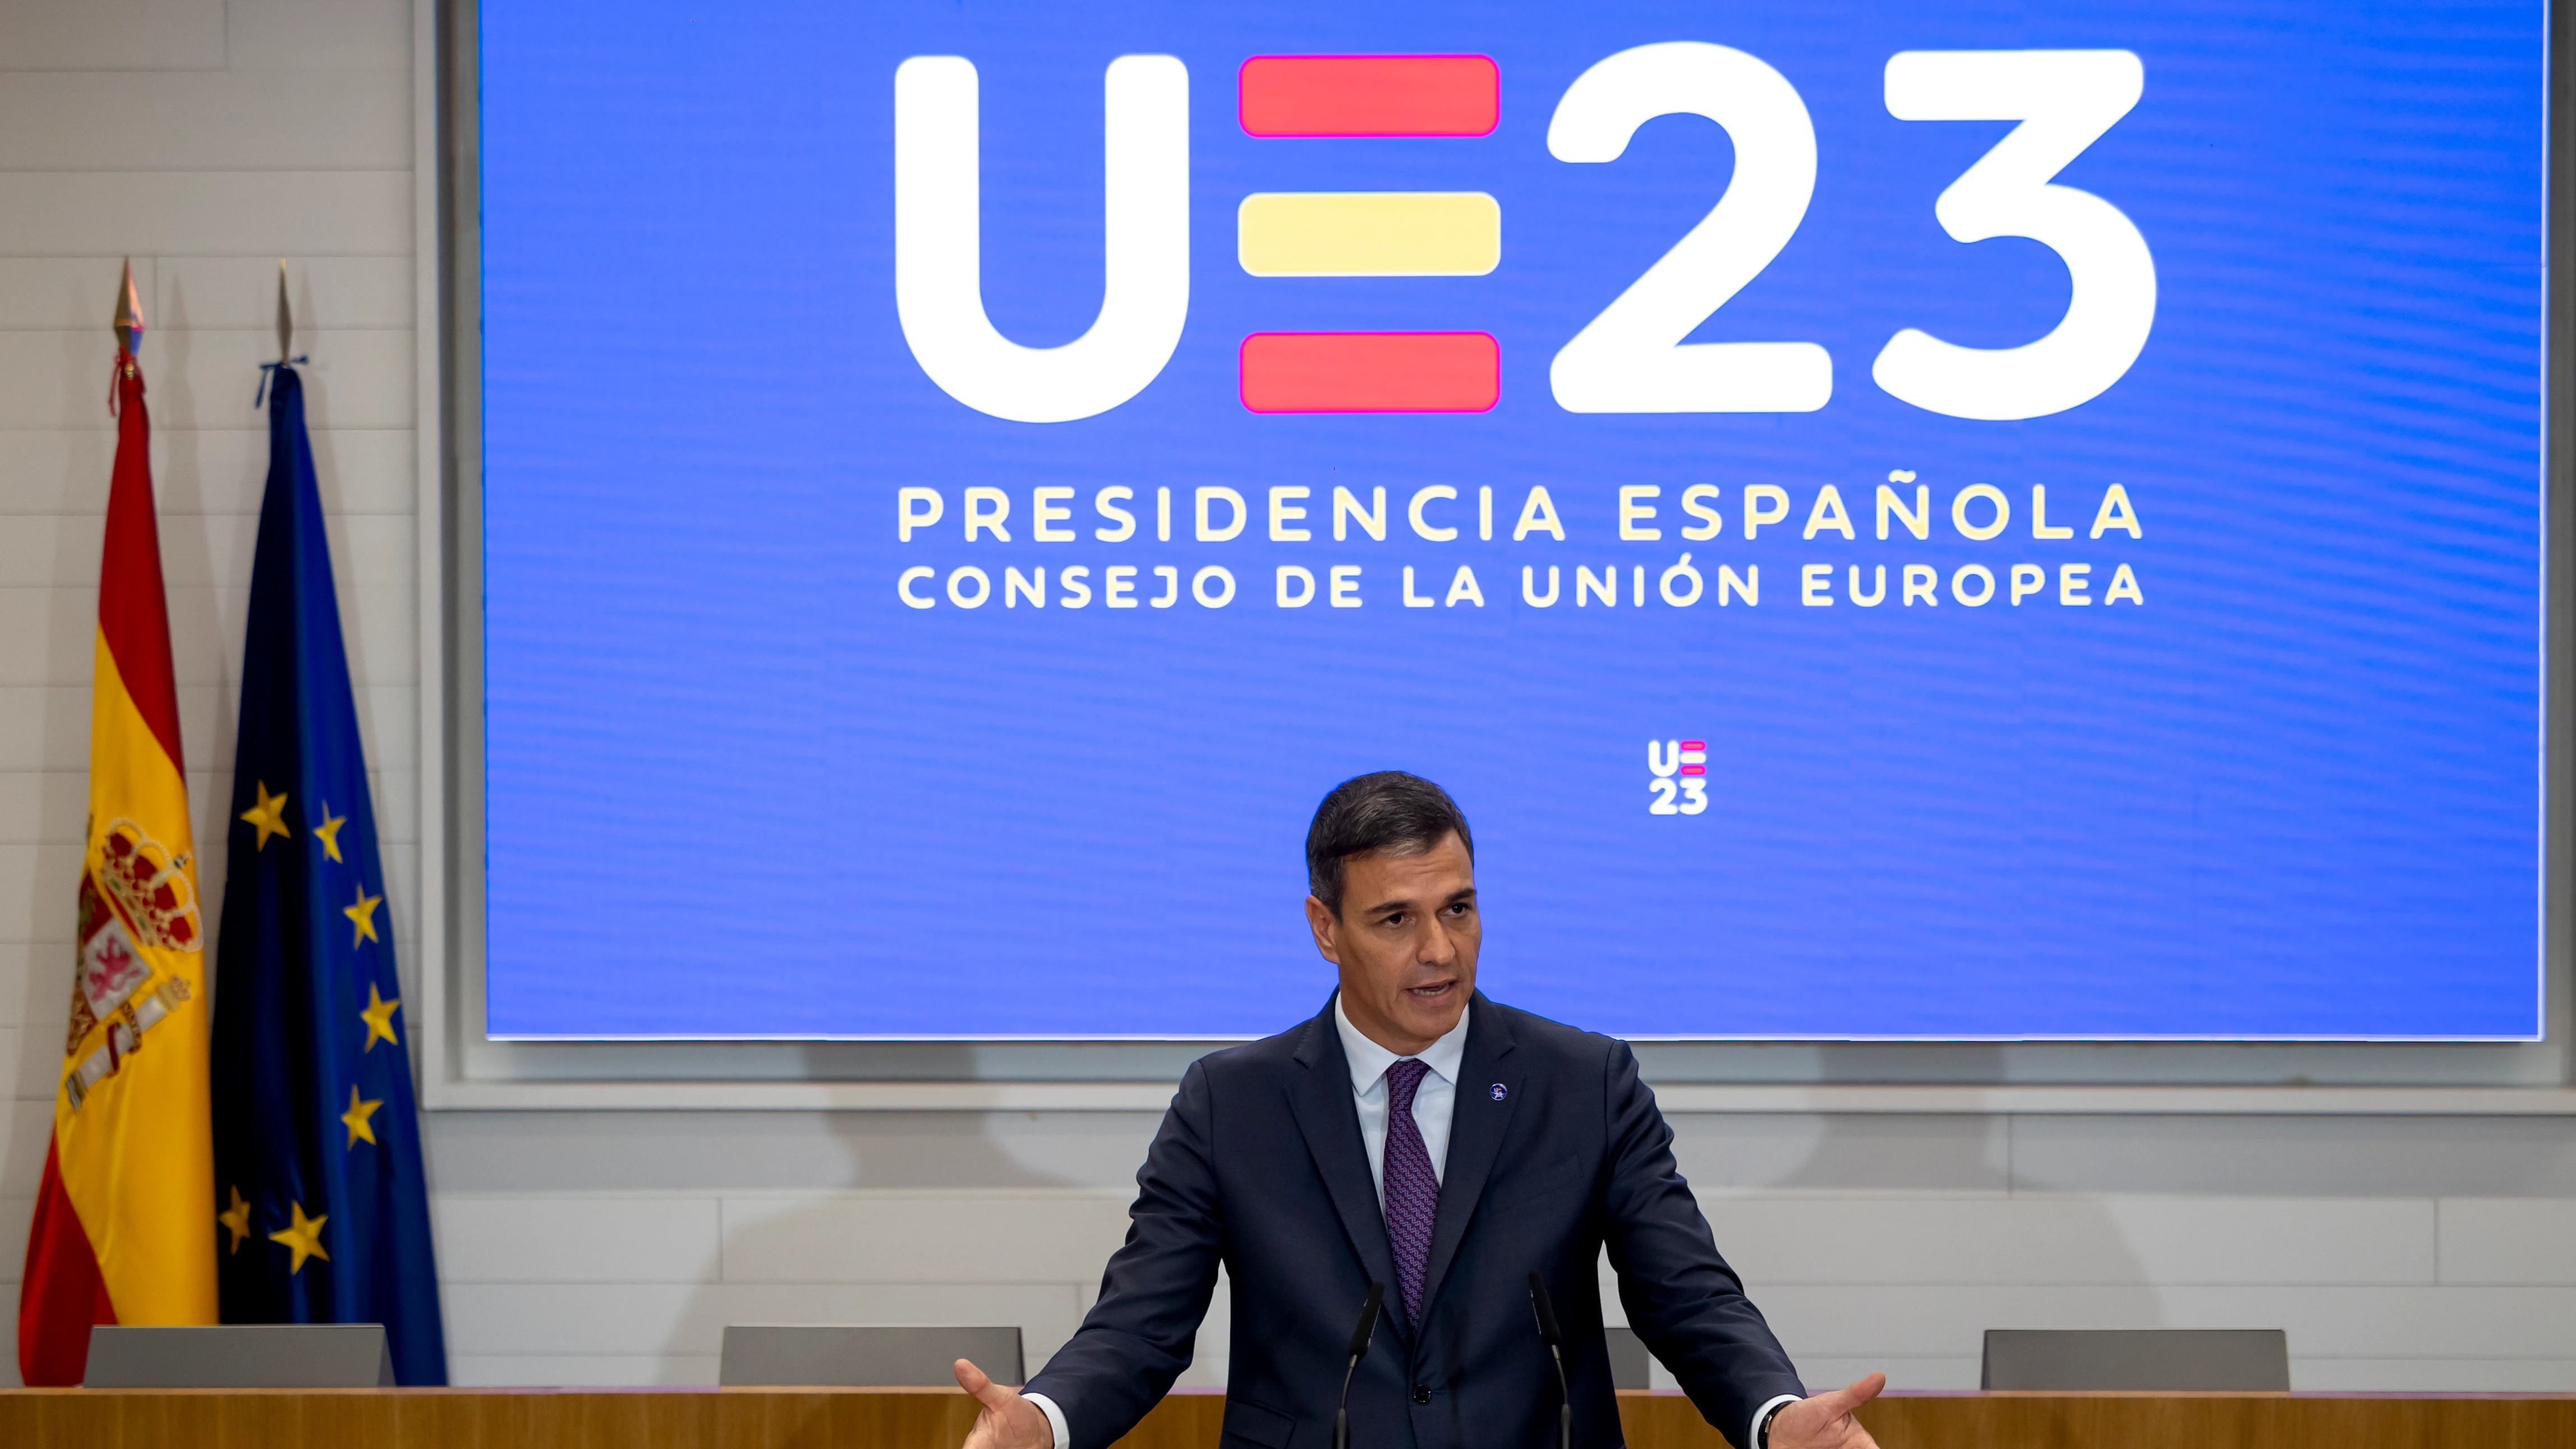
[(121, 1231)]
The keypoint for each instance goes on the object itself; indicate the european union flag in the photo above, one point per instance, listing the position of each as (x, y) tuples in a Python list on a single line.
[(322, 1211)]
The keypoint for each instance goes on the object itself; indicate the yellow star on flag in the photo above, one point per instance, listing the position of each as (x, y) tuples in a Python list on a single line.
[(237, 1219), (328, 832), (269, 815), (379, 1017), (363, 916), (303, 1238), (359, 1108)]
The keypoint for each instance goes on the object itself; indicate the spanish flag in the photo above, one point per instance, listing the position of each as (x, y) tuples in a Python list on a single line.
[(122, 1231)]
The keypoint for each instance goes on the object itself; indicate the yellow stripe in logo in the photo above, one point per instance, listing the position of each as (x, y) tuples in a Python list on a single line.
[(1369, 233)]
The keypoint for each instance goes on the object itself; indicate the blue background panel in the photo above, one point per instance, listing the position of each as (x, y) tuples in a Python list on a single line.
[(735, 787)]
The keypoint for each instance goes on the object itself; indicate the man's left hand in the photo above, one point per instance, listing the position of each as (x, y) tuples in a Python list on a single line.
[(1824, 1421)]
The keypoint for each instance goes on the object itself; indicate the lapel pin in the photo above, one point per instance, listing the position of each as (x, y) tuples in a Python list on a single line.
[(1499, 1093)]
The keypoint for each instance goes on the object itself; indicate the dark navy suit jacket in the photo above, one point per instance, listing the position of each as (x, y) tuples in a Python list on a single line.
[(1555, 1149)]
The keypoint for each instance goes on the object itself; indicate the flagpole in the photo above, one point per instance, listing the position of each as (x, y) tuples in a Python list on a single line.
[(127, 324)]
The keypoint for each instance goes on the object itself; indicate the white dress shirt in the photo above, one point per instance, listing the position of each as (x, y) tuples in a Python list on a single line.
[(1435, 1101)]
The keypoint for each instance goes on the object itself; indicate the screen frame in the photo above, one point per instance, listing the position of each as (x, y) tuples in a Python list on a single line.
[(463, 1067)]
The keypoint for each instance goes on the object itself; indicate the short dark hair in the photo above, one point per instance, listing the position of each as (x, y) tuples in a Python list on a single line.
[(1387, 813)]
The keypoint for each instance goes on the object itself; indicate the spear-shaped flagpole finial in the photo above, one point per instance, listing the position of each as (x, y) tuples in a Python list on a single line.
[(129, 312), (285, 316)]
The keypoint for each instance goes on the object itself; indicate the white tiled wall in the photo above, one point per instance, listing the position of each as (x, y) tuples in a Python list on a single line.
[(622, 1266), (206, 138)]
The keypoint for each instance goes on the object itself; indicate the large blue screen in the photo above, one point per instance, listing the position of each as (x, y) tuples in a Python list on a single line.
[(1893, 519)]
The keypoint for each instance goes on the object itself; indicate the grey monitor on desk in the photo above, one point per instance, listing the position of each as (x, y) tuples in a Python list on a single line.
[(780, 1355), (240, 1356), (2112, 1360), (1631, 1367)]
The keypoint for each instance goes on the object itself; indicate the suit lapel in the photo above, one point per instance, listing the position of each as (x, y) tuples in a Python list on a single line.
[(1329, 1118), (1476, 1124)]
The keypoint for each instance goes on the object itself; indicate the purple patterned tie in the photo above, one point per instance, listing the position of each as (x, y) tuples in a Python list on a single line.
[(1412, 1191)]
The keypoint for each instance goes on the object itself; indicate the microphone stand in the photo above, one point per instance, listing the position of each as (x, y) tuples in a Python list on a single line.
[(1555, 1341), (1360, 1337)]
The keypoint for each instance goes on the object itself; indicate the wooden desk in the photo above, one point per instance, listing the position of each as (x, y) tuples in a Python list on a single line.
[(937, 1419)]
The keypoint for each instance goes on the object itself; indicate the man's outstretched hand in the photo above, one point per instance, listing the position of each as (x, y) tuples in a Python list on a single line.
[(1011, 1422), (1822, 1421)]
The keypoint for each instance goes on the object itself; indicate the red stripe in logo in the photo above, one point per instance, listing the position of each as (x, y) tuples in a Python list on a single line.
[(1370, 372), (1367, 95)]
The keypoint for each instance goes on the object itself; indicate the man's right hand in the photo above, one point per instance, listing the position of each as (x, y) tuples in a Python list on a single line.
[(1007, 1421)]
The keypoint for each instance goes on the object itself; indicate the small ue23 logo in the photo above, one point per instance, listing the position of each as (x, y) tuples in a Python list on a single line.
[(1678, 777)]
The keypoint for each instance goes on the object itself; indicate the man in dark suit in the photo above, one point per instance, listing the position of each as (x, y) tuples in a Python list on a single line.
[(1418, 1135)]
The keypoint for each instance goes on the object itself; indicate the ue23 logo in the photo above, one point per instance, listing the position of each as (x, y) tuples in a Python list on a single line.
[(1630, 358), (1677, 776)]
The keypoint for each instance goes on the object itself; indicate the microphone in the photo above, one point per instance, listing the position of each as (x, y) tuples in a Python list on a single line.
[(1555, 1341), (1360, 1337)]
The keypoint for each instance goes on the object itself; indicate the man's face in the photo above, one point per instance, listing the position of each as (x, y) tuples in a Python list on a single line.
[(1406, 941)]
